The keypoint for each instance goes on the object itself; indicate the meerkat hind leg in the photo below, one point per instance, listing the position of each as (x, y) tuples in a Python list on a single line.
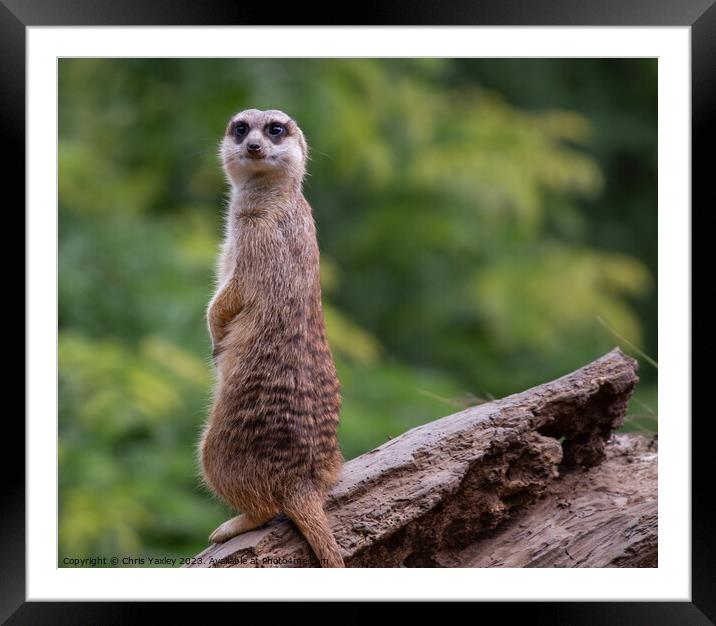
[(235, 526)]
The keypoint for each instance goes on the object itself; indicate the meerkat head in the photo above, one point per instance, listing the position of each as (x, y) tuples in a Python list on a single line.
[(267, 144)]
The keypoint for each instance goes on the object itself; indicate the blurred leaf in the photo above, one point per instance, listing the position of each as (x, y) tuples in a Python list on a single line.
[(350, 340)]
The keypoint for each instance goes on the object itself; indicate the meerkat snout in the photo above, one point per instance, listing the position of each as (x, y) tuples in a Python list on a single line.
[(255, 150), (263, 144)]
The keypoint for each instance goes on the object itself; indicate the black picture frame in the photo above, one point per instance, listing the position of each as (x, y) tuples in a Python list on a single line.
[(700, 15)]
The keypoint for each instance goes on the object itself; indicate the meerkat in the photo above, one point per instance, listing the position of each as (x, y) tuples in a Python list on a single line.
[(270, 443)]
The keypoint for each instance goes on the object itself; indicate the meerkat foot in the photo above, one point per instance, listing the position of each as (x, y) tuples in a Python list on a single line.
[(235, 526)]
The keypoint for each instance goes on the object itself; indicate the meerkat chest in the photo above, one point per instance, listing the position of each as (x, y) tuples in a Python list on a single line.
[(273, 252), (227, 261)]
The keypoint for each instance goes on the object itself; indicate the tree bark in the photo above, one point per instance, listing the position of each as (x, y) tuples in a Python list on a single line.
[(536, 479), (605, 516)]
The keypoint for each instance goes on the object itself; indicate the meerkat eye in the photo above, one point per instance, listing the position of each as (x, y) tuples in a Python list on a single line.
[(276, 130), (240, 129)]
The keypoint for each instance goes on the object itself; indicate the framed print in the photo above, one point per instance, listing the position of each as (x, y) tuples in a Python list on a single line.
[(387, 298)]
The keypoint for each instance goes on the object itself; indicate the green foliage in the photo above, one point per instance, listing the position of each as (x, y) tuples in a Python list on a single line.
[(475, 217)]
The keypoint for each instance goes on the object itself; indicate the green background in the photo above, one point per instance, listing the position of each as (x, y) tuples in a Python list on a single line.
[(485, 225)]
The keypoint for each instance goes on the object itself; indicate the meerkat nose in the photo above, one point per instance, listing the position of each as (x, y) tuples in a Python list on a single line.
[(254, 148)]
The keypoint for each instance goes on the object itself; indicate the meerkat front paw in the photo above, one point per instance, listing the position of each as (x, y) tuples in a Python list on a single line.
[(216, 350)]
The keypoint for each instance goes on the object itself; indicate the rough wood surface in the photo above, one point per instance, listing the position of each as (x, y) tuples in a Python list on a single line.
[(604, 516), (431, 496)]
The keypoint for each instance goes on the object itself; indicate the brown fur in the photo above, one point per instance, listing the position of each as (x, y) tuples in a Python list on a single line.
[(270, 443)]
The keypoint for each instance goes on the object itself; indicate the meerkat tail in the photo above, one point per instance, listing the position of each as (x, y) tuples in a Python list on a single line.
[(306, 511)]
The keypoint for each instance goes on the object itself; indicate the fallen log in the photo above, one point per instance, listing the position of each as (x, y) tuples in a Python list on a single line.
[(605, 516), (454, 492)]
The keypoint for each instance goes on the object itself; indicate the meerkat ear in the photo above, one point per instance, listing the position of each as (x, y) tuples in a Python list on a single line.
[(302, 142), (227, 130)]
